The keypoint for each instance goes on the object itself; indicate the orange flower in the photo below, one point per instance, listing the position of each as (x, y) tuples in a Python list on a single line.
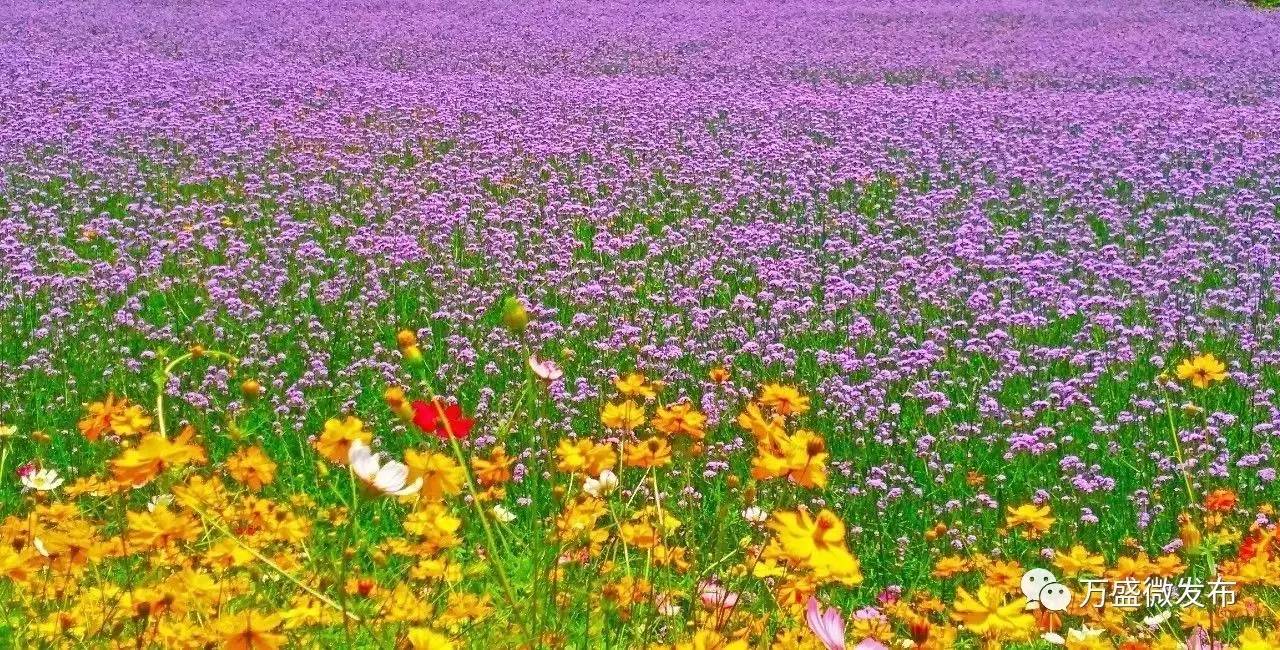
[(252, 467), (654, 452), (250, 630), (784, 400), (1220, 500), (153, 455), (98, 419), (680, 418), (494, 470)]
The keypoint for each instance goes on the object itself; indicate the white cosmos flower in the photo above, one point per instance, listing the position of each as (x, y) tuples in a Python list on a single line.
[(388, 478), (755, 515), (44, 480), (502, 514), (601, 487), (546, 370)]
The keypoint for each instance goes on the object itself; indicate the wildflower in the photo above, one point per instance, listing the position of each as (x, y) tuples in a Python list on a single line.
[(153, 455), (421, 638), (250, 630), (1035, 518), (627, 416), (1220, 500), (718, 374), (544, 369), (130, 421), (455, 423), (634, 385), (8, 431), (503, 515), (335, 441), (161, 528), (99, 417), (251, 389), (784, 400), (45, 480), (987, 614), (827, 625), (680, 418), (602, 486), (1202, 370), (714, 596), (399, 404), (949, 566), (817, 542), (440, 475), (583, 455), (407, 342), (1079, 561), (252, 467), (389, 478), (653, 452), (755, 515), (494, 470)]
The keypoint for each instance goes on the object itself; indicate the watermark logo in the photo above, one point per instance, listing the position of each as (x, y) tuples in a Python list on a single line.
[(1044, 591)]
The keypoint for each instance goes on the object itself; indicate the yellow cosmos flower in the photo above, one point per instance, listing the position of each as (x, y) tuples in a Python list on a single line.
[(1079, 561), (653, 452), (251, 467), (1202, 370), (627, 416), (634, 385), (986, 614), (249, 630), (680, 418), (335, 441), (1034, 518), (421, 638), (442, 476), (784, 400), (818, 543)]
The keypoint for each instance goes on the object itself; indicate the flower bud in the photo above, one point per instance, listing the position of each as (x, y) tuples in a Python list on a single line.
[(197, 351), (1189, 534), (395, 398), (406, 338), (514, 315), (250, 388)]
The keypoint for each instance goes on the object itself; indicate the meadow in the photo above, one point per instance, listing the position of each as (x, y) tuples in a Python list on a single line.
[(676, 324)]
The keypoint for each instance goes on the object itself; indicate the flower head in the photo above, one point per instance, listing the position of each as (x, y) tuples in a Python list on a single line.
[(1202, 370), (827, 625), (545, 369), (390, 478), (45, 480), (440, 420)]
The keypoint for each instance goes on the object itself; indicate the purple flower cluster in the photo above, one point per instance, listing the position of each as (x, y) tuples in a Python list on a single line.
[(968, 227)]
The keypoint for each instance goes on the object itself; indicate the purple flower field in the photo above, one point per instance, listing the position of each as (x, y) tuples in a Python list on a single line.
[(980, 236)]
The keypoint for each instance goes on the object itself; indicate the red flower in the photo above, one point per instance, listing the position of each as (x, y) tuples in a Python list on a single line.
[(426, 415)]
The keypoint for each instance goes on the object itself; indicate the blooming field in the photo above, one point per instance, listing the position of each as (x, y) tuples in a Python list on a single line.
[(669, 324)]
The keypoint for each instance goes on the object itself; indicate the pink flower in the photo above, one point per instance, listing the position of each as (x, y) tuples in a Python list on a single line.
[(546, 370), (26, 469), (828, 626), (716, 597)]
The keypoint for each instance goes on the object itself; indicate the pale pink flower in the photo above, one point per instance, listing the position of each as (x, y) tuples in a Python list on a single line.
[(545, 369), (716, 597), (828, 626)]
